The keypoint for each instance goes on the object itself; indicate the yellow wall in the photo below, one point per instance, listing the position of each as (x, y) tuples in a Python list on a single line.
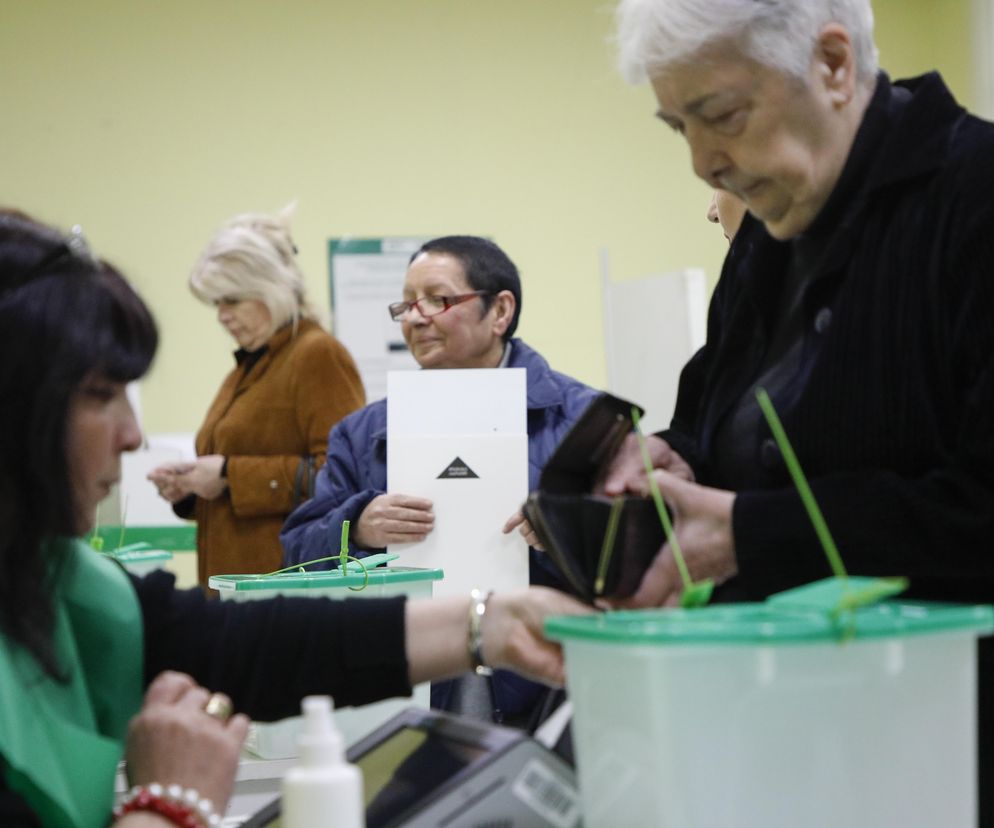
[(916, 36), (150, 122)]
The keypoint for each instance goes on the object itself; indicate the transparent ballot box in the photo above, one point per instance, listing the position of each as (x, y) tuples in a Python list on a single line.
[(278, 740), (757, 715)]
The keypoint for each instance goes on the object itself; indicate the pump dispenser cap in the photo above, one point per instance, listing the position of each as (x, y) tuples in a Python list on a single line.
[(320, 741), (323, 790)]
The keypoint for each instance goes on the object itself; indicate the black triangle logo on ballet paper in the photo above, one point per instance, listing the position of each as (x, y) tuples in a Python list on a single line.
[(457, 470)]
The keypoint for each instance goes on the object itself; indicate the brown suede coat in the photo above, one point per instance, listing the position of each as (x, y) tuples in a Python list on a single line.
[(268, 422)]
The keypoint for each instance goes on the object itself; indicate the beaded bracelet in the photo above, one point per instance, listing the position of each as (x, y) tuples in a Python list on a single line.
[(184, 807), (474, 640)]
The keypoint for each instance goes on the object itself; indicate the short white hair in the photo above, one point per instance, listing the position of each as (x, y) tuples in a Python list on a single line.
[(781, 34), (253, 256)]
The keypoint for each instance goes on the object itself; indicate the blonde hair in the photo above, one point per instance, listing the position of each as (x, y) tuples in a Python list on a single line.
[(253, 256)]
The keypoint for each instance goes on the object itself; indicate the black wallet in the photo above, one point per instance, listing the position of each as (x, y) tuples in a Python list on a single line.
[(601, 545)]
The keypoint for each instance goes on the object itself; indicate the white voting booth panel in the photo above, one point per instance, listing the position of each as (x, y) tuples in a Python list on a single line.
[(652, 326)]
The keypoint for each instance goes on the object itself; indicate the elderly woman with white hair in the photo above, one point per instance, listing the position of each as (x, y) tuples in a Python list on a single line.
[(858, 292), (266, 432)]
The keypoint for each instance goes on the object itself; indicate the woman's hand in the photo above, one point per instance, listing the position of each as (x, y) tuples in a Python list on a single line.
[(201, 477), (702, 521), (393, 518), (437, 634), (512, 631), (168, 480), (173, 741), (626, 472), (519, 522)]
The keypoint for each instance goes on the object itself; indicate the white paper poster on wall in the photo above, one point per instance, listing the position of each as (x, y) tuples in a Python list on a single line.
[(459, 438), (366, 275)]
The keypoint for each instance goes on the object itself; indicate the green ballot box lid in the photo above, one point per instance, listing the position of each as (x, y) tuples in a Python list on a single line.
[(325, 579), (765, 623)]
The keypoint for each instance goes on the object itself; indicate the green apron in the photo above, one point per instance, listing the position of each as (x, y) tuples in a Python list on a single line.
[(60, 744)]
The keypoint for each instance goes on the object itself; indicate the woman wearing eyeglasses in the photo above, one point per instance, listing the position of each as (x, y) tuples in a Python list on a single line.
[(266, 432), (460, 308)]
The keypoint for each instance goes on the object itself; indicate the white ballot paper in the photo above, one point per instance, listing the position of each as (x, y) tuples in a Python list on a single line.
[(459, 438)]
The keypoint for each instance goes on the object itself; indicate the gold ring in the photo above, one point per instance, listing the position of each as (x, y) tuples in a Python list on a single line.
[(219, 707)]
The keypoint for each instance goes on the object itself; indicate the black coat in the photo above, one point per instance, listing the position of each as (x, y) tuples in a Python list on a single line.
[(891, 412)]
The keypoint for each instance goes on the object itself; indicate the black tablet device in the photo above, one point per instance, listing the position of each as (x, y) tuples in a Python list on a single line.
[(424, 768)]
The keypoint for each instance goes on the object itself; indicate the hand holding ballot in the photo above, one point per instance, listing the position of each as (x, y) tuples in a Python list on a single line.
[(520, 522), (400, 518), (394, 518)]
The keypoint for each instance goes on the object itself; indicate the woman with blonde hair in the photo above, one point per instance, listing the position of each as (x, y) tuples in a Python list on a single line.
[(266, 432)]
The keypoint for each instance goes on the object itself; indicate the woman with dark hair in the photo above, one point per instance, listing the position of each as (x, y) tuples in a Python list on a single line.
[(80, 639), (71, 327)]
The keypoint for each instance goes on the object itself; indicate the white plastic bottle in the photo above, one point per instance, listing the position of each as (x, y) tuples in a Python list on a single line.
[(322, 790)]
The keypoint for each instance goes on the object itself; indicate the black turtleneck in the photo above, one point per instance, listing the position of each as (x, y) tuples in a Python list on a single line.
[(247, 359)]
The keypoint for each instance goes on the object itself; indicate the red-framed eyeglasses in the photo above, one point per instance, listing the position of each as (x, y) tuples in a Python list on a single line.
[(429, 306)]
